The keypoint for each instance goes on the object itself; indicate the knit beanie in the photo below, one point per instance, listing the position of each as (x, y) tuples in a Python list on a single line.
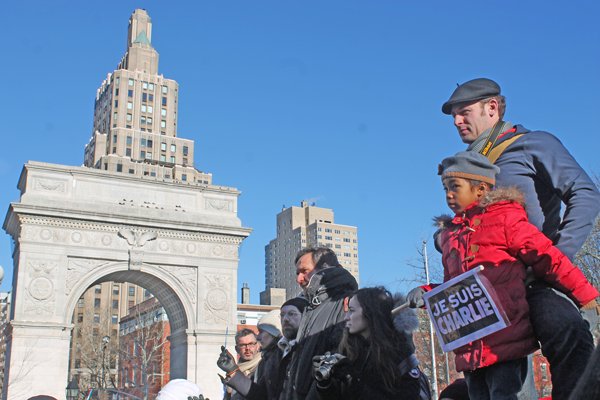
[(178, 389), (271, 323), (469, 165), (299, 302)]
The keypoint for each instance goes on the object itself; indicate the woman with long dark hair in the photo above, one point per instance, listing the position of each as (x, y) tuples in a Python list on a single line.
[(375, 359)]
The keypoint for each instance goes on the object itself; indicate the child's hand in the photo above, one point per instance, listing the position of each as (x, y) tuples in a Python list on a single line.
[(415, 298)]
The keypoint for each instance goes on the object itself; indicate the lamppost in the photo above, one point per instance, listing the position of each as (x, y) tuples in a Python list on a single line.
[(72, 390), (105, 342)]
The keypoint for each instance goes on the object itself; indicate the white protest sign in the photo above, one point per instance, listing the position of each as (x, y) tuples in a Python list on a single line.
[(465, 309)]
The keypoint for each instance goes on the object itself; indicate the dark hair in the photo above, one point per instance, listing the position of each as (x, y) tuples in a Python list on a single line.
[(242, 333), (385, 346), (320, 256), (474, 183), (501, 104)]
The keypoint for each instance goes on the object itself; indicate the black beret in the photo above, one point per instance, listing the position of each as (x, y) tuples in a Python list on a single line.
[(472, 91)]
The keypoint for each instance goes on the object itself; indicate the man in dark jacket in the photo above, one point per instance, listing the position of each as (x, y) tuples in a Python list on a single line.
[(538, 164), (272, 382), (326, 285)]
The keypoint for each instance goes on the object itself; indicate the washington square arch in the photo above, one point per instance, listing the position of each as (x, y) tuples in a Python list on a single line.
[(75, 227)]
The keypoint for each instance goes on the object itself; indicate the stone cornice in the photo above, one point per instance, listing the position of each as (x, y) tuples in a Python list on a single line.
[(27, 219), (98, 219)]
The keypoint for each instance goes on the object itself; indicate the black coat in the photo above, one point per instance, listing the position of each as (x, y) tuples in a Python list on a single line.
[(321, 328), (270, 384)]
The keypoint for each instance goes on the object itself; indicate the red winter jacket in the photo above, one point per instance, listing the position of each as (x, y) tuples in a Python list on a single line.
[(495, 233)]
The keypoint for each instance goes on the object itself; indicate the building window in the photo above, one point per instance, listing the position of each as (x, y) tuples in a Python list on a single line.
[(128, 154), (150, 108), (96, 303), (142, 154), (80, 303), (354, 241), (328, 237), (346, 240), (356, 256), (163, 158), (148, 155), (128, 140), (347, 255), (132, 290), (167, 176), (163, 112), (80, 317), (115, 116), (115, 319), (184, 161), (129, 117), (173, 148), (115, 304), (149, 122), (116, 92), (151, 86), (163, 146), (98, 289), (117, 80), (97, 318), (149, 144), (347, 262), (130, 93), (130, 82), (144, 96), (163, 124), (337, 239), (119, 167), (147, 293), (173, 159), (116, 103), (143, 108), (183, 177), (129, 107), (115, 138), (164, 101), (151, 98), (164, 89), (337, 231), (143, 141), (143, 121), (185, 150), (338, 246), (144, 85)]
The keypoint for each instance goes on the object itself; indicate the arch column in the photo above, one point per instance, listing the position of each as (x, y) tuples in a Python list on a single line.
[(35, 359)]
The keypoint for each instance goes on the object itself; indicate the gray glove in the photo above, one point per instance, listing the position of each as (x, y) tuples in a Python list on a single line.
[(415, 298), (226, 361)]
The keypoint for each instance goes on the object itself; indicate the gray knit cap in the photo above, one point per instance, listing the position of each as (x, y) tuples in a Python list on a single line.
[(469, 165)]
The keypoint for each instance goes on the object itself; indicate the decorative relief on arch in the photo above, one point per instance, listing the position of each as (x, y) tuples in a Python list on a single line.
[(218, 205), (217, 300), (50, 185), (77, 268), (40, 296), (187, 278)]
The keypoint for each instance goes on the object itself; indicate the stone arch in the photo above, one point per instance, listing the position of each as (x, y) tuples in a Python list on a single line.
[(163, 286)]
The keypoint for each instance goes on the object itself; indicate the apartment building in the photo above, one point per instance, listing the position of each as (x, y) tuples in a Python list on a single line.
[(299, 227), (135, 116)]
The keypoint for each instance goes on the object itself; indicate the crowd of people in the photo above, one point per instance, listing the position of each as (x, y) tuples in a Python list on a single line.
[(505, 191)]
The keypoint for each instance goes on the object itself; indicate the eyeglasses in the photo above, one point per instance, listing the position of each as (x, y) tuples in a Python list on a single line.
[(291, 314), (241, 346)]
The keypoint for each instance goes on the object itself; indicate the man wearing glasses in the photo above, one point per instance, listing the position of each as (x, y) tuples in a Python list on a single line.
[(273, 381), (247, 348)]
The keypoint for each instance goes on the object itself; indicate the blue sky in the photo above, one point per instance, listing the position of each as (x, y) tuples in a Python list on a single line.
[(291, 100)]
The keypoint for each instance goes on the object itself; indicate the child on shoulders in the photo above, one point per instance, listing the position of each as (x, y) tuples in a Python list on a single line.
[(490, 228)]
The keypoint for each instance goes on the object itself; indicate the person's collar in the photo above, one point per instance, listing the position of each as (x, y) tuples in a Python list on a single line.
[(478, 144)]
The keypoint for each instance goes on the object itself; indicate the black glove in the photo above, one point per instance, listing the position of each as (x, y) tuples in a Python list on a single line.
[(197, 398), (415, 298), (226, 361)]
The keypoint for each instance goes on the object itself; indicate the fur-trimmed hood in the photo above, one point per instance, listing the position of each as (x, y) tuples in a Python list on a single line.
[(492, 197)]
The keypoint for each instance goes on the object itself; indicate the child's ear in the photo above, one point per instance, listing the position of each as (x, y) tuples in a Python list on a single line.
[(481, 189)]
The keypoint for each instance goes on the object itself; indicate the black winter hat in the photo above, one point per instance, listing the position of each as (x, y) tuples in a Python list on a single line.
[(299, 302), (472, 91)]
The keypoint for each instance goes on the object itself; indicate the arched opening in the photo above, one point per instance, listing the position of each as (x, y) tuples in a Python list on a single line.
[(129, 326)]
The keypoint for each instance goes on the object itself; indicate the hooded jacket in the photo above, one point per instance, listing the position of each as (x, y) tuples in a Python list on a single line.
[(547, 174), (321, 327), (495, 233)]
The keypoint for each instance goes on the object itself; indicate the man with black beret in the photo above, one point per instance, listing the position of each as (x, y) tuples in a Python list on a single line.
[(541, 167)]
